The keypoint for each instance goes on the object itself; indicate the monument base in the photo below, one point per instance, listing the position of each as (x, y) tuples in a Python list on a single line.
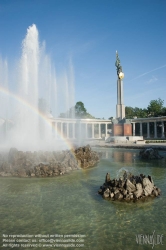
[(122, 129)]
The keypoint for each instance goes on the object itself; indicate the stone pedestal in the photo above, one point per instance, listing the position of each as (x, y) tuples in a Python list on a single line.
[(123, 129)]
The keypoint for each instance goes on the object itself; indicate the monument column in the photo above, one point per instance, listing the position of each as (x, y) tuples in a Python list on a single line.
[(120, 108)]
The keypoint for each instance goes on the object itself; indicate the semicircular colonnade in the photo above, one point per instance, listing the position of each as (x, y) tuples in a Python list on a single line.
[(86, 128), (151, 127)]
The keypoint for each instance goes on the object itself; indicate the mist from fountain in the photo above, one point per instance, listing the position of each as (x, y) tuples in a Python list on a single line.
[(36, 80), (4, 100)]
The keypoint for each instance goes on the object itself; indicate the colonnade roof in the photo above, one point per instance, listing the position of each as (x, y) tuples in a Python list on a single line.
[(134, 120), (149, 119), (80, 120)]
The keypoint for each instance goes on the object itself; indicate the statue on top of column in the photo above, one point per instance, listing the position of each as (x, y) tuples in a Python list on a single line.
[(118, 67)]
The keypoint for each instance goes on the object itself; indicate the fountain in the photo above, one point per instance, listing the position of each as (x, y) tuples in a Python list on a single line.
[(24, 125), (3, 98)]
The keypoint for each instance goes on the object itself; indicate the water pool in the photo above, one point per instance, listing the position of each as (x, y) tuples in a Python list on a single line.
[(70, 204)]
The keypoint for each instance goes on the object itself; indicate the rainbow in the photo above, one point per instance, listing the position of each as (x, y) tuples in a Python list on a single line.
[(36, 112)]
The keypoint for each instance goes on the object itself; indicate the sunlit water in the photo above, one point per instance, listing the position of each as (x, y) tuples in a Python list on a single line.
[(70, 204)]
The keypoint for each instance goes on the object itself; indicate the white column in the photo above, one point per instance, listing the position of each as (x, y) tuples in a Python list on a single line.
[(73, 130), (67, 130), (62, 128), (99, 131), (86, 134), (155, 130), (106, 130), (140, 128), (92, 130), (55, 130), (133, 128), (148, 130), (162, 123)]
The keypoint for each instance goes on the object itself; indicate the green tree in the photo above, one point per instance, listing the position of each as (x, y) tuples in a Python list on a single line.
[(140, 113), (89, 116), (80, 110), (129, 112), (164, 111), (155, 107), (135, 112)]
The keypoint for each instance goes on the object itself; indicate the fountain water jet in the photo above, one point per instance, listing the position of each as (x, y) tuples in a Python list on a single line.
[(27, 122), (37, 79)]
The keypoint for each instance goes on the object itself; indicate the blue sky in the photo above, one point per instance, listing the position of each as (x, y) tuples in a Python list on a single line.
[(89, 32)]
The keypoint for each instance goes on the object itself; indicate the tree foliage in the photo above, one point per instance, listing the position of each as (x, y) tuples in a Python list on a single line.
[(78, 111), (164, 111), (155, 108), (135, 112)]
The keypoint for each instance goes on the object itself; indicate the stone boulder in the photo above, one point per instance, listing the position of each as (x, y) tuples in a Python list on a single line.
[(139, 190), (150, 154), (129, 187), (86, 157)]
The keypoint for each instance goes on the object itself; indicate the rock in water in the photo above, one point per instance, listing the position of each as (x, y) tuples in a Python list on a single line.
[(150, 154), (148, 186), (46, 164), (107, 178), (129, 187), (87, 157), (138, 191)]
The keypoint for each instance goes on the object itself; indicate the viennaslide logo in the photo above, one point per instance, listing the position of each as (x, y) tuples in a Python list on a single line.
[(151, 239)]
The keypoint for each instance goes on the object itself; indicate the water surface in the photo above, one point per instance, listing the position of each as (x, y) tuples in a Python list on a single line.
[(70, 204)]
